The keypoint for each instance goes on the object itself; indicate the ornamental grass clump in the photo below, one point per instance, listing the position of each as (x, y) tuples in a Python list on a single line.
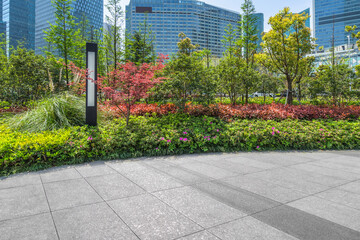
[(57, 112)]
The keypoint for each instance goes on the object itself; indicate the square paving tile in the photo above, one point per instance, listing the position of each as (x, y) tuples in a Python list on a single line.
[(37, 227), (94, 169), (281, 158), (208, 170), (114, 186), (303, 225), (183, 175), (240, 199), (22, 201), (342, 197), (264, 188), (203, 235), (249, 228), (337, 166), (316, 155), (352, 187), (291, 181), (199, 207), (146, 177), (96, 221), (232, 166), (19, 180), (60, 174), (152, 219), (310, 167), (250, 161), (70, 193), (331, 211)]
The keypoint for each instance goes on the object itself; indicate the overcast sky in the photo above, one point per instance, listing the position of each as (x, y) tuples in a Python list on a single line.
[(268, 7)]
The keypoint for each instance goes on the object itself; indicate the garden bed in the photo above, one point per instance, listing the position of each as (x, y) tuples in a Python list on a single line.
[(249, 111), (168, 135)]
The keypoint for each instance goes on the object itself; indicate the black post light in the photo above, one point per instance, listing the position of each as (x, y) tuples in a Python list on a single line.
[(91, 87)]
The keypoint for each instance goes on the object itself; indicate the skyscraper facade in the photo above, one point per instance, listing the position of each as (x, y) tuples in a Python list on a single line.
[(259, 26), (308, 21), (330, 19), (2, 24), (203, 23), (17, 21), (93, 10)]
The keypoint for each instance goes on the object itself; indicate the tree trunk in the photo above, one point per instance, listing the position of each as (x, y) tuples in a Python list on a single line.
[(290, 92), (246, 96), (299, 94)]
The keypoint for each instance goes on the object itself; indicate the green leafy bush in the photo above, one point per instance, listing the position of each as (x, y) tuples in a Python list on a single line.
[(171, 134), (52, 113)]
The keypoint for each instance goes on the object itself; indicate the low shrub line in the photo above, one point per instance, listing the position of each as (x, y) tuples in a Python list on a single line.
[(249, 111), (171, 134)]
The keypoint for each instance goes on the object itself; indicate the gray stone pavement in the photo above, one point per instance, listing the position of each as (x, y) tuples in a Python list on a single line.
[(271, 195)]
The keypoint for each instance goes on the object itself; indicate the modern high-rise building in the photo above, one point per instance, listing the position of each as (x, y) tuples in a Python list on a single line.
[(203, 23), (259, 26), (330, 19), (308, 21), (93, 10), (17, 21), (2, 24)]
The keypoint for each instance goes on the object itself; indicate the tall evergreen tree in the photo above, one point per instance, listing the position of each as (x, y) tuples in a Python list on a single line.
[(64, 36), (140, 46), (113, 37)]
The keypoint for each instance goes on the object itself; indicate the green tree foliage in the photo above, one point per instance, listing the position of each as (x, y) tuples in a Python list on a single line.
[(185, 73), (286, 46), (335, 81), (113, 35), (230, 40), (354, 34), (140, 45), (23, 76), (230, 71), (64, 36), (247, 42)]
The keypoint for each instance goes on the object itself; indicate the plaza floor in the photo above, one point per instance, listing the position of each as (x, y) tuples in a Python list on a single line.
[(272, 195)]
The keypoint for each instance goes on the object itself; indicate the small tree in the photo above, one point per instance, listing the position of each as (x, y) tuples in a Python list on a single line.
[(113, 37), (140, 46), (286, 46), (128, 84), (248, 43), (184, 72), (64, 37)]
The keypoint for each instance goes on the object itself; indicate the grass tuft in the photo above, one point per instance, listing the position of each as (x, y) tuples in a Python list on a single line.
[(57, 112)]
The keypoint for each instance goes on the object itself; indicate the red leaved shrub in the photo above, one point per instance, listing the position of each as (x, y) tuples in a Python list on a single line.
[(249, 111)]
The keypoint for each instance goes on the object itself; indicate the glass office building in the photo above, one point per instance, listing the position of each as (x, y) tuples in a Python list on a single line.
[(45, 14), (259, 26), (203, 23), (334, 14), (308, 21), (17, 21)]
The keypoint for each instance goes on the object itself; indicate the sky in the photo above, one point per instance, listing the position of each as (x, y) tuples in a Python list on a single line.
[(268, 7)]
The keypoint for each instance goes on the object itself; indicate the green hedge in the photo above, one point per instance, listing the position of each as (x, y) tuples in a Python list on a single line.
[(173, 134)]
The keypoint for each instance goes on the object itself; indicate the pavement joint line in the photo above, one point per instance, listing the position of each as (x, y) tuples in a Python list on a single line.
[(110, 206), (47, 200), (206, 178), (313, 194), (150, 193), (337, 169), (187, 235)]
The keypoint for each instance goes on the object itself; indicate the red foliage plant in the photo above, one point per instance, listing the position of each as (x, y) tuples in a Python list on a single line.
[(129, 83), (78, 83), (250, 111)]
